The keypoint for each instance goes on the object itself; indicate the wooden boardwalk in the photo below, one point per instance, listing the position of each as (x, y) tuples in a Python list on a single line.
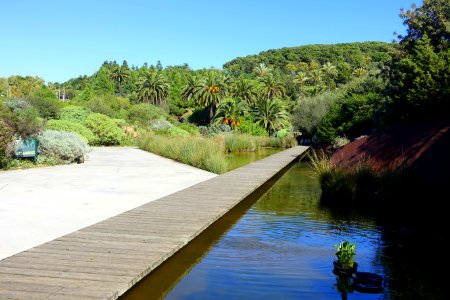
[(106, 259)]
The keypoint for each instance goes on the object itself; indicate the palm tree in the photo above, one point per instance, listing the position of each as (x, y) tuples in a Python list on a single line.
[(330, 71), (261, 70), (211, 92), (244, 89), (271, 87), (302, 66), (300, 79), (316, 77), (292, 67), (193, 86), (119, 74), (153, 87), (228, 112), (359, 72), (272, 115)]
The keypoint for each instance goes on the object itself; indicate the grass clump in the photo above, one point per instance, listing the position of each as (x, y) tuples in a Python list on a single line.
[(278, 142), (346, 187), (363, 187), (199, 152), (237, 142), (240, 143)]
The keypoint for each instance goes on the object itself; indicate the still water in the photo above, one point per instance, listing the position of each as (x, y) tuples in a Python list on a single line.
[(281, 245), (239, 159)]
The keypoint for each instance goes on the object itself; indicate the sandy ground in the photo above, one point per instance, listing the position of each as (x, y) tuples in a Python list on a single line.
[(41, 204)]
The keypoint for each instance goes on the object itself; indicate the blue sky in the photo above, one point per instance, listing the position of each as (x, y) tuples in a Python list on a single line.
[(60, 39)]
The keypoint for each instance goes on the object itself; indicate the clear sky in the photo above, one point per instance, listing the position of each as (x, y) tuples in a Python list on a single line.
[(62, 39)]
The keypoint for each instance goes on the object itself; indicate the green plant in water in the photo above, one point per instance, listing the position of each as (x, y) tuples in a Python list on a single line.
[(346, 254)]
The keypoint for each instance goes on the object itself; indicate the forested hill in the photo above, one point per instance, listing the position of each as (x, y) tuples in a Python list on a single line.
[(290, 59)]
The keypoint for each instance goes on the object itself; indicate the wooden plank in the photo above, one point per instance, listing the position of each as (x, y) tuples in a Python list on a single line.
[(104, 260)]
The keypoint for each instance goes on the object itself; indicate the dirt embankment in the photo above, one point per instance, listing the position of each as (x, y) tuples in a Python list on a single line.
[(422, 146)]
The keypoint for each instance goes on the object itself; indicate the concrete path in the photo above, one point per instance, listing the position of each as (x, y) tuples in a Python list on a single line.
[(42, 204)]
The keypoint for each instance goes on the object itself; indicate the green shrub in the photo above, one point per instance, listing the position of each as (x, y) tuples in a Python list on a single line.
[(114, 107), (46, 102), (105, 129), (250, 127), (6, 138), (17, 119), (99, 105), (176, 131), (160, 124), (215, 129), (67, 146), (199, 116), (191, 128), (74, 113), (26, 122), (309, 111), (118, 103), (69, 126), (121, 114), (282, 133), (120, 122), (17, 104), (142, 114)]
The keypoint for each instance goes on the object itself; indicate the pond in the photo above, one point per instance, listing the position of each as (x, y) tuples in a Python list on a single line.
[(280, 244)]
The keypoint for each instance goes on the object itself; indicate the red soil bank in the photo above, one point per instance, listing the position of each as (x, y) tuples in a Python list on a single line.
[(424, 146)]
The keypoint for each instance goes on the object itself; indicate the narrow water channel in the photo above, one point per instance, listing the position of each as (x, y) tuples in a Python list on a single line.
[(239, 159), (281, 245)]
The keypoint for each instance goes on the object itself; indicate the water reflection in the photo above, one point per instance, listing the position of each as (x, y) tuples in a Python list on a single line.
[(239, 159)]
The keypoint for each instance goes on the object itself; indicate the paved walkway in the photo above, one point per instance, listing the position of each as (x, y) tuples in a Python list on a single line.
[(42, 204)]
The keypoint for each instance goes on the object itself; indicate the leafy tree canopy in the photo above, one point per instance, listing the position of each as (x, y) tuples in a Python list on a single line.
[(419, 74)]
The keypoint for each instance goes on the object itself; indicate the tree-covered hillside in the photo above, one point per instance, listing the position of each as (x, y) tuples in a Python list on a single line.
[(292, 59)]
